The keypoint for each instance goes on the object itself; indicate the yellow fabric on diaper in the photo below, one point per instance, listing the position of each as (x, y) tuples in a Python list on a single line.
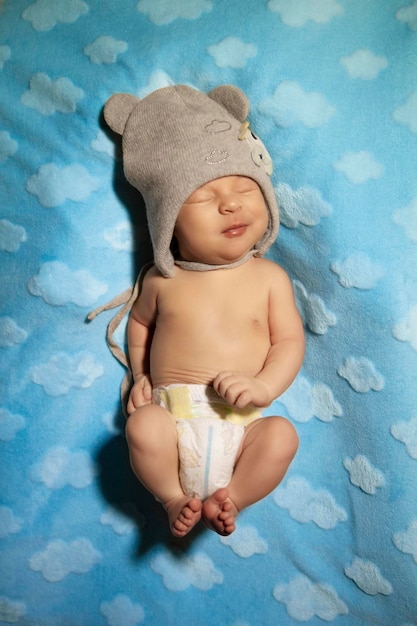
[(179, 402)]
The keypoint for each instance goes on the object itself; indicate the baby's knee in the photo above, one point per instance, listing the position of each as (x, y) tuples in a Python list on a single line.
[(134, 427), (144, 425), (292, 439), (284, 435)]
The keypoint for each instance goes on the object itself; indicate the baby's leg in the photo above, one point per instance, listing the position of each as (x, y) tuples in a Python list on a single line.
[(152, 438), (268, 447)]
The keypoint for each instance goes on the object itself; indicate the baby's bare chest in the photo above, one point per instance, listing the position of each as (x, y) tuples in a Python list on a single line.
[(231, 311)]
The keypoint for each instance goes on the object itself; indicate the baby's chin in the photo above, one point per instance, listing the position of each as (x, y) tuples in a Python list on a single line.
[(230, 257), (235, 258)]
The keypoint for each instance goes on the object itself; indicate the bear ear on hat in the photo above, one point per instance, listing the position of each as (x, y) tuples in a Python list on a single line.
[(232, 99), (118, 109)]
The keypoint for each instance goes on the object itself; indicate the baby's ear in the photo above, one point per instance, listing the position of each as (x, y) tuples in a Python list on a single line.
[(232, 99), (117, 110)]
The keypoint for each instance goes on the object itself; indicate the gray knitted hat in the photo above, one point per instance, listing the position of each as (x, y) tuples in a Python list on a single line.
[(177, 139)]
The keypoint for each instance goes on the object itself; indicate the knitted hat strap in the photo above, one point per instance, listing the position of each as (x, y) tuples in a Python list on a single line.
[(205, 267)]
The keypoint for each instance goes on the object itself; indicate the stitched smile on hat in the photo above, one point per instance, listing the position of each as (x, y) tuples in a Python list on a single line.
[(217, 156)]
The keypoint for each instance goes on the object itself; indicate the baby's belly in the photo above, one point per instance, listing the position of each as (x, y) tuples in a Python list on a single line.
[(162, 376), (200, 361)]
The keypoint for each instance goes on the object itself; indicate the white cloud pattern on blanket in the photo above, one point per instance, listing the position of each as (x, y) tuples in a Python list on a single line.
[(10, 332), (368, 577), (53, 185), (408, 14), (120, 237), (301, 206), (304, 401), (157, 80), (50, 96), (232, 52), (313, 310), (45, 14), (60, 558), (123, 522), (245, 542), (9, 524), (58, 285), (406, 329), (297, 14), (8, 146), (62, 372), (358, 270), (406, 432), (305, 504), (121, 610), (197, 570), (361, 374), (363, 474), (4, 55), (406, 541), (359, 167), (364, 64), (291, 105), (407, 218), (61, 467), (166, 11), (11, 236), (305, 600), (105, 49), (10, 424), (11, 611)]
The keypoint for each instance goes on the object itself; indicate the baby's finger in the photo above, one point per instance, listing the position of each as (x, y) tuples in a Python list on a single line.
[(220, 377), (233, 391), (222, 381), (130, 407), (137, 397), (243, 399), (147, 392)]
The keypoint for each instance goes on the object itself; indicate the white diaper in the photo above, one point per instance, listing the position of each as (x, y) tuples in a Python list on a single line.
[(210, 433)]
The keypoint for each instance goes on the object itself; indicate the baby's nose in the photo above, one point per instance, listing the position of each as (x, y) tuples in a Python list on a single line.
[(230, 203)]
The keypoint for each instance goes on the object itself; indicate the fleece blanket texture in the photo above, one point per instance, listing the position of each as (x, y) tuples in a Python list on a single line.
[(333, 91)]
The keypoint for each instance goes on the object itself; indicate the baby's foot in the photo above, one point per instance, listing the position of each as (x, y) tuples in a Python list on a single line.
[(219, 512), (183, 514)]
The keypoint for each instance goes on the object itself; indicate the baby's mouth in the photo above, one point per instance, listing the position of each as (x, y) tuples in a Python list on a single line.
[(235, 230)]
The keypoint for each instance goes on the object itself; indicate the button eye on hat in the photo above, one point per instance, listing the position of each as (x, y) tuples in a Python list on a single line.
[(178, 139)]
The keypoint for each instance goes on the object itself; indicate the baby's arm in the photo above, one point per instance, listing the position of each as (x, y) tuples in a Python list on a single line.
[(284, 358), (139, 333)]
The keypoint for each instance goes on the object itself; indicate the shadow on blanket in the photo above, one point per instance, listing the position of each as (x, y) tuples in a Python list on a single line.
[(124, 492), (132, 201)]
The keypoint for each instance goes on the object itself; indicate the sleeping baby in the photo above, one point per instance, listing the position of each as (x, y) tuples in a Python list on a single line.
[(214, 335)]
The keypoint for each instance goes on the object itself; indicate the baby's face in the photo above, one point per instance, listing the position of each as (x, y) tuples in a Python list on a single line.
[(221, 221)]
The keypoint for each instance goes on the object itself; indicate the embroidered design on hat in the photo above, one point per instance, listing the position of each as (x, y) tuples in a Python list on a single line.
[(217, 156), (217, 126)]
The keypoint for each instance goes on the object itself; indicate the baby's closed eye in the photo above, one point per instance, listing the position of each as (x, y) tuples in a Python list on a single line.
[(200, 197), (246, 190)]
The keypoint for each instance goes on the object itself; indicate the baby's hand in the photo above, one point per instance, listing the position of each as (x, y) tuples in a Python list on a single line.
[(140, 394), (240, 390)]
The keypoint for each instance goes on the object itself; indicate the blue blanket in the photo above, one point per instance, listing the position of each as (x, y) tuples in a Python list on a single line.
[(333, 92)]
